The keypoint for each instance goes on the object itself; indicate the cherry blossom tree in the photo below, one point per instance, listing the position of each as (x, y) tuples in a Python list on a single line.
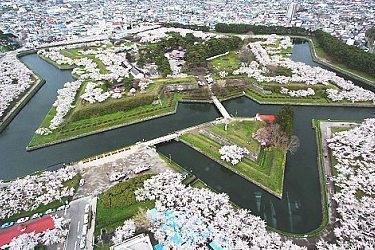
[(28, 193), (124, 232), (15, 79), (232, 153), (268, 57), (354, 151), (199, 216)]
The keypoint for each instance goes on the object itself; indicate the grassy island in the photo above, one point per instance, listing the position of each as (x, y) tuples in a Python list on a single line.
[(262, 166)]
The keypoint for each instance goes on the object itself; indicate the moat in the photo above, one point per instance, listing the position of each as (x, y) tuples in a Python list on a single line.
[(300, 209)]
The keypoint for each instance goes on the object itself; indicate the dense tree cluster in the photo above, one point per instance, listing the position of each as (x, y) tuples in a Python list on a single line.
[(64, 102), (8, 41), (124, 232), (30, 192), (267, 57), (285, 118), (196, 217), (116, 70), (271, 135), (187, 26), (232, 153), (351, 56), (259, 29), (197, 49), (15, 79), (354, 151)]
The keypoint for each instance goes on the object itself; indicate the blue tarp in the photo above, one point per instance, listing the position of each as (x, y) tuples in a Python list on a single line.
[(159, 247), (215, 246)]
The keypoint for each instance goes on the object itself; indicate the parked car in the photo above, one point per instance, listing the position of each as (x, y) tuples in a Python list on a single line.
[(84, 230), (85, 219), (22, 220), (87, 208), (116, 176), (82, 244), (37, 215), (60, 208), (81, 182), (7, 224), (50, 211)]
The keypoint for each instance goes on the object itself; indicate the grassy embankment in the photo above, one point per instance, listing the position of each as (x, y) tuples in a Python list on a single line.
[(72, 183), (325, 57), (267, 171)]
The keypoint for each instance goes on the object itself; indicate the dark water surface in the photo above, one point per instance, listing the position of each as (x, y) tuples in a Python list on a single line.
[(15, 161), (300, 209)]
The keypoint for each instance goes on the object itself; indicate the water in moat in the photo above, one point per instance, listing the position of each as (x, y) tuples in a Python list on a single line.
[(299, 211), (15, 161)]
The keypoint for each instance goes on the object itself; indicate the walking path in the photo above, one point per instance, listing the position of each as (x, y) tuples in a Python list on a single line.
[(90, 234)]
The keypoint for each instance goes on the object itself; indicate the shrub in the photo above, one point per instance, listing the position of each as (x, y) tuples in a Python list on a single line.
[(122, 194)]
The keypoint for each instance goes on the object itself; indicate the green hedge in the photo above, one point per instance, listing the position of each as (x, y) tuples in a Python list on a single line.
[(111, 107), (350, 56), (122, 194), (259, 29), (187, 26)]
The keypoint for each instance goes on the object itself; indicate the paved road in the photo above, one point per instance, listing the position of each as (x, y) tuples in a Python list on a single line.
[(75, 213)]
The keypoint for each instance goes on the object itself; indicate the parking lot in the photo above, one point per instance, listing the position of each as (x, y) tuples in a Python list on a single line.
[(97, 178)]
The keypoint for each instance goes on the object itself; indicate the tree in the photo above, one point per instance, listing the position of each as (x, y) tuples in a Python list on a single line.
[(285, 118), (196, 56), (245, 55), (259, 29), (293, 144), (350, 56), (124, 232), (141, 221), (129, 57)]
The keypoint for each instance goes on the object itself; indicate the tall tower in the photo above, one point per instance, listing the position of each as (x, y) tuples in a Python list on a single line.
[(292, 8)]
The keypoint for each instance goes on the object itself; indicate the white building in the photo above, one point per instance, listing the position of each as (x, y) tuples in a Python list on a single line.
[(292, 8), (139, 242)]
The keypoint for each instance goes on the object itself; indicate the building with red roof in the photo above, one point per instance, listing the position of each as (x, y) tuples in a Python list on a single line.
[(38, 226), (265, 118)]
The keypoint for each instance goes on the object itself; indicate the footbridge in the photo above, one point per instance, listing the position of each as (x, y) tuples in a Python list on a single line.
[(220, 107)]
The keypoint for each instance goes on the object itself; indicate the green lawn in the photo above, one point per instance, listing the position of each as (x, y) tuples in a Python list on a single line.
[(119, 204), (183, 80), (267, 172), (228, 63), (240, 133), (95, 124)]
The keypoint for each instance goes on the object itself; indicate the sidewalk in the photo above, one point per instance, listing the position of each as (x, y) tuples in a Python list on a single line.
[(90, 234)]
